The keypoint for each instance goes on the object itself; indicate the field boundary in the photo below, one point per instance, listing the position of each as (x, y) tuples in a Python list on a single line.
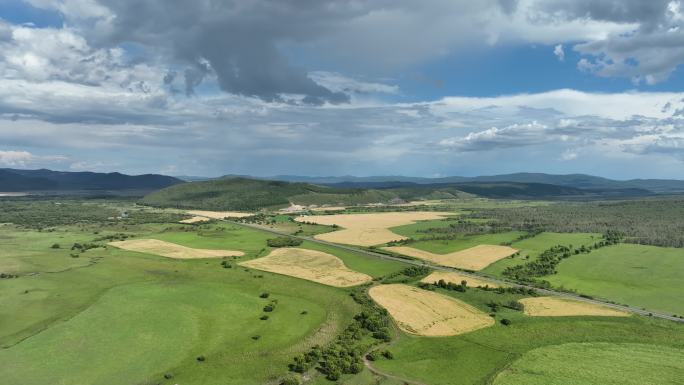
[(630, 309)]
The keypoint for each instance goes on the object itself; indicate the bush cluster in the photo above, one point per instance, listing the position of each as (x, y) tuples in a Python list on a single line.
[(283, 242)]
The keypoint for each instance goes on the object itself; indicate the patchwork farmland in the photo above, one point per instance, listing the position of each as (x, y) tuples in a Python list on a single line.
[(351, 295)]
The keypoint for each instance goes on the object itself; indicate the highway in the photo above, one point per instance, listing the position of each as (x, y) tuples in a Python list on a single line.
[(577, 297)]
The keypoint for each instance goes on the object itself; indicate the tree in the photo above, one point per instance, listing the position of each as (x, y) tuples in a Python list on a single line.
[(283, 242)]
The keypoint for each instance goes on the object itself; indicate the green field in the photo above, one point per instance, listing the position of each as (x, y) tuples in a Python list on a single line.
[(596, 364), (642, 276), (467, 241), (135, 317), (92, 316), (532, 247), (476, 358), (417, 230)]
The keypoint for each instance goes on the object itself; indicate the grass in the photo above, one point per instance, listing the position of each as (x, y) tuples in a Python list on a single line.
[(113, 318), (596, 364), (416, 230), (642, 276), (468, 241), (532, 247), (359, 262), (133, 317), (477, 357), (219, 236)]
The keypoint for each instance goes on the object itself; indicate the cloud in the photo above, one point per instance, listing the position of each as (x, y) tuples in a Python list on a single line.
[(559, 52), (256, 48), (569, 154), (648, 52), (15, 158), (111, 128), (238, 42), (21, 159), (340, 83)]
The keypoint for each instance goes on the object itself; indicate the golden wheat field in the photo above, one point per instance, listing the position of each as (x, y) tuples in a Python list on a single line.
[(559, 307), (474, 258), (172, 250), (368, 229), (311, 265), (427, 313)]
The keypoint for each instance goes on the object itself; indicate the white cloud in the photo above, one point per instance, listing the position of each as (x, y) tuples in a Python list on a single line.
[(559, 52), (572, 102), (338, 82), (21, 159), (569, 154), (15, 158)]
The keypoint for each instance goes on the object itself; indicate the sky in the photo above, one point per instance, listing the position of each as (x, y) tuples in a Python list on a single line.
[(343, 87)]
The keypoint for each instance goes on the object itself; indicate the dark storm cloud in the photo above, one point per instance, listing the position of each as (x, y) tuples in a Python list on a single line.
[(238, 40)]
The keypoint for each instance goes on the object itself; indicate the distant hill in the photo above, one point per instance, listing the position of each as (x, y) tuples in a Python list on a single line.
[(239, 193), (47, 180), (581, 181), (251, 194)]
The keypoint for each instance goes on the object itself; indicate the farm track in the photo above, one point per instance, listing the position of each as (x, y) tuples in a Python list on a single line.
[(577, 297)]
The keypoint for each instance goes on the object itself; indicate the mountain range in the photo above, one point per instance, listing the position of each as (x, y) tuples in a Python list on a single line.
[(582, 181), (12, 180)]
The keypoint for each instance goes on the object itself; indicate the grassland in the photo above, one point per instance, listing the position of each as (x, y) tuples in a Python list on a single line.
[(465, 242), (596, 364), (105, 313), (638, 275), (476, 358), (474, 258), (108, 313), (418, 229), (531, 248)]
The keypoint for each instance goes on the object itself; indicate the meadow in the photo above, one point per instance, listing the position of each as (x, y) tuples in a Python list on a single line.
[(477, 357), (531, 248), (596, 364), (445, 246), (638, 275), (75, 311), (89, 312)]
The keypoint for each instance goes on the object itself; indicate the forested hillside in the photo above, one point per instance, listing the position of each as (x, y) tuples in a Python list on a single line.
[(252, 194), (658, 222)]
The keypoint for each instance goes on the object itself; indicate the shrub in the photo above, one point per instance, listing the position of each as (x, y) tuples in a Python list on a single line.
[(256, 337), (264, 295), (290, 380), (283, 242), (387, 354), (373, 356), (55, 246), (263, 317), (201, 358), (505, 322)]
